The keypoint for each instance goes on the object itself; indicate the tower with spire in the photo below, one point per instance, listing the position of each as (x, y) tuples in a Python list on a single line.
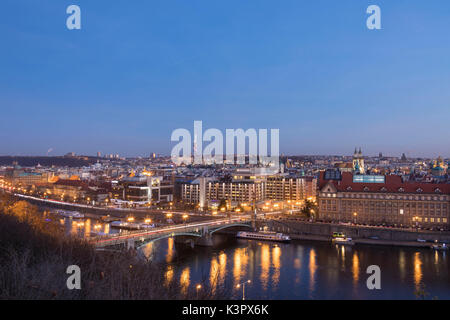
[(358, 162)]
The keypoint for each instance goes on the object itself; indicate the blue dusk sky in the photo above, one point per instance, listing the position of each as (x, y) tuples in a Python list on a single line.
[(139, 69)]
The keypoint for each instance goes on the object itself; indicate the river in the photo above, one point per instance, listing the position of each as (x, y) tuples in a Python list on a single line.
[(306, 270), (295, 270)]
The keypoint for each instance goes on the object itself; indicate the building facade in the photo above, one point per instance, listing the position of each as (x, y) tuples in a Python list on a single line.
[(284, 188), (248, 188), (383, 200), (202, 192), (143, 189)]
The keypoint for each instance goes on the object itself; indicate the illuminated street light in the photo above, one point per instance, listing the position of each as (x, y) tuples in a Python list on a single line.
[(243, 287)]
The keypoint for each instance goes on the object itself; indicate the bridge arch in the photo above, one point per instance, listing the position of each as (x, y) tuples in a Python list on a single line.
[(231, 226), (169, 235)]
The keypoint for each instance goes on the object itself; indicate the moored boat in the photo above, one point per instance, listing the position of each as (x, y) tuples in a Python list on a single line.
[(264, 235), (70, 214), (344, 241), (439, 246), (341, 238)]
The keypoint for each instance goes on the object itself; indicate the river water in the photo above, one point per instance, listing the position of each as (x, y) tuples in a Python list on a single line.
[(296, 270), (305, 270)]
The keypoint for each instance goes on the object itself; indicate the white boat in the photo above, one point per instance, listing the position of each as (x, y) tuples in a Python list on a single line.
[(438, 246), (264, 235), (125, 225), (146, 226), (119, 224), (70, 214), (343, 241)]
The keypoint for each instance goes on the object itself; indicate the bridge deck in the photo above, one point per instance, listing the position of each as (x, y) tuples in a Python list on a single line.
[(194, 229)]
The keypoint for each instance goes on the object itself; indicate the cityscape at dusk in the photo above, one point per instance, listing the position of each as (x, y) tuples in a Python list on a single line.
[(224, 158)]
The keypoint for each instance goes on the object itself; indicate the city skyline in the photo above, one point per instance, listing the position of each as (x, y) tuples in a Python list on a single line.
[(313, 71), (150, 155)]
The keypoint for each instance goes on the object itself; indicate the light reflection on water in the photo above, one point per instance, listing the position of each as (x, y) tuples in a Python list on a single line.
[(417, 270), (303, 270), (312, 271), (85, 228), (299, 270), (355, 268)]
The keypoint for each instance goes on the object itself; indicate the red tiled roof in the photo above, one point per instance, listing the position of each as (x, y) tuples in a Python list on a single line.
[(393, 184)]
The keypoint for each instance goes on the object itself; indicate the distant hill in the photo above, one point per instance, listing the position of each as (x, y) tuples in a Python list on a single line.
[(47, 161)]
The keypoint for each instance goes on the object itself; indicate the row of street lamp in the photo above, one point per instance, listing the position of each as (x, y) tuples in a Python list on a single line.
[(238, 286)]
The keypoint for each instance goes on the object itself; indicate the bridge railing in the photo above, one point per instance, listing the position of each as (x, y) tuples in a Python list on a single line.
[(157, 230)]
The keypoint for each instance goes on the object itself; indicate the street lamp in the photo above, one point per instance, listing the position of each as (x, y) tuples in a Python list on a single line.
[(243, 287), (355, 214), (185, 217), (197, 288)]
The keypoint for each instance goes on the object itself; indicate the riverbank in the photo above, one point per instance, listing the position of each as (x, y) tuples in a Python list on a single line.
[(364, 235), (363, 241), (113, 213), (36, 253)]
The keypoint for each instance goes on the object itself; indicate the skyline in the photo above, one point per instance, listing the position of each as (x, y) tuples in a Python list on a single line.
[(133, 74), (149, 155)]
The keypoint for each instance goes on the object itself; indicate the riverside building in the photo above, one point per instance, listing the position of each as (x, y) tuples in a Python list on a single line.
[(387, 200), (247, 186)]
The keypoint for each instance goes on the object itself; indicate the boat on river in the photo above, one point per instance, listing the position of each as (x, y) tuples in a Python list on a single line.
[(341, 238), (344, 241), (264, 235), (439, 246), (69, 214)]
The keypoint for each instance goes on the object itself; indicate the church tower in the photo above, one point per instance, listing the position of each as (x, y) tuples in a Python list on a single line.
[(358, 162)]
